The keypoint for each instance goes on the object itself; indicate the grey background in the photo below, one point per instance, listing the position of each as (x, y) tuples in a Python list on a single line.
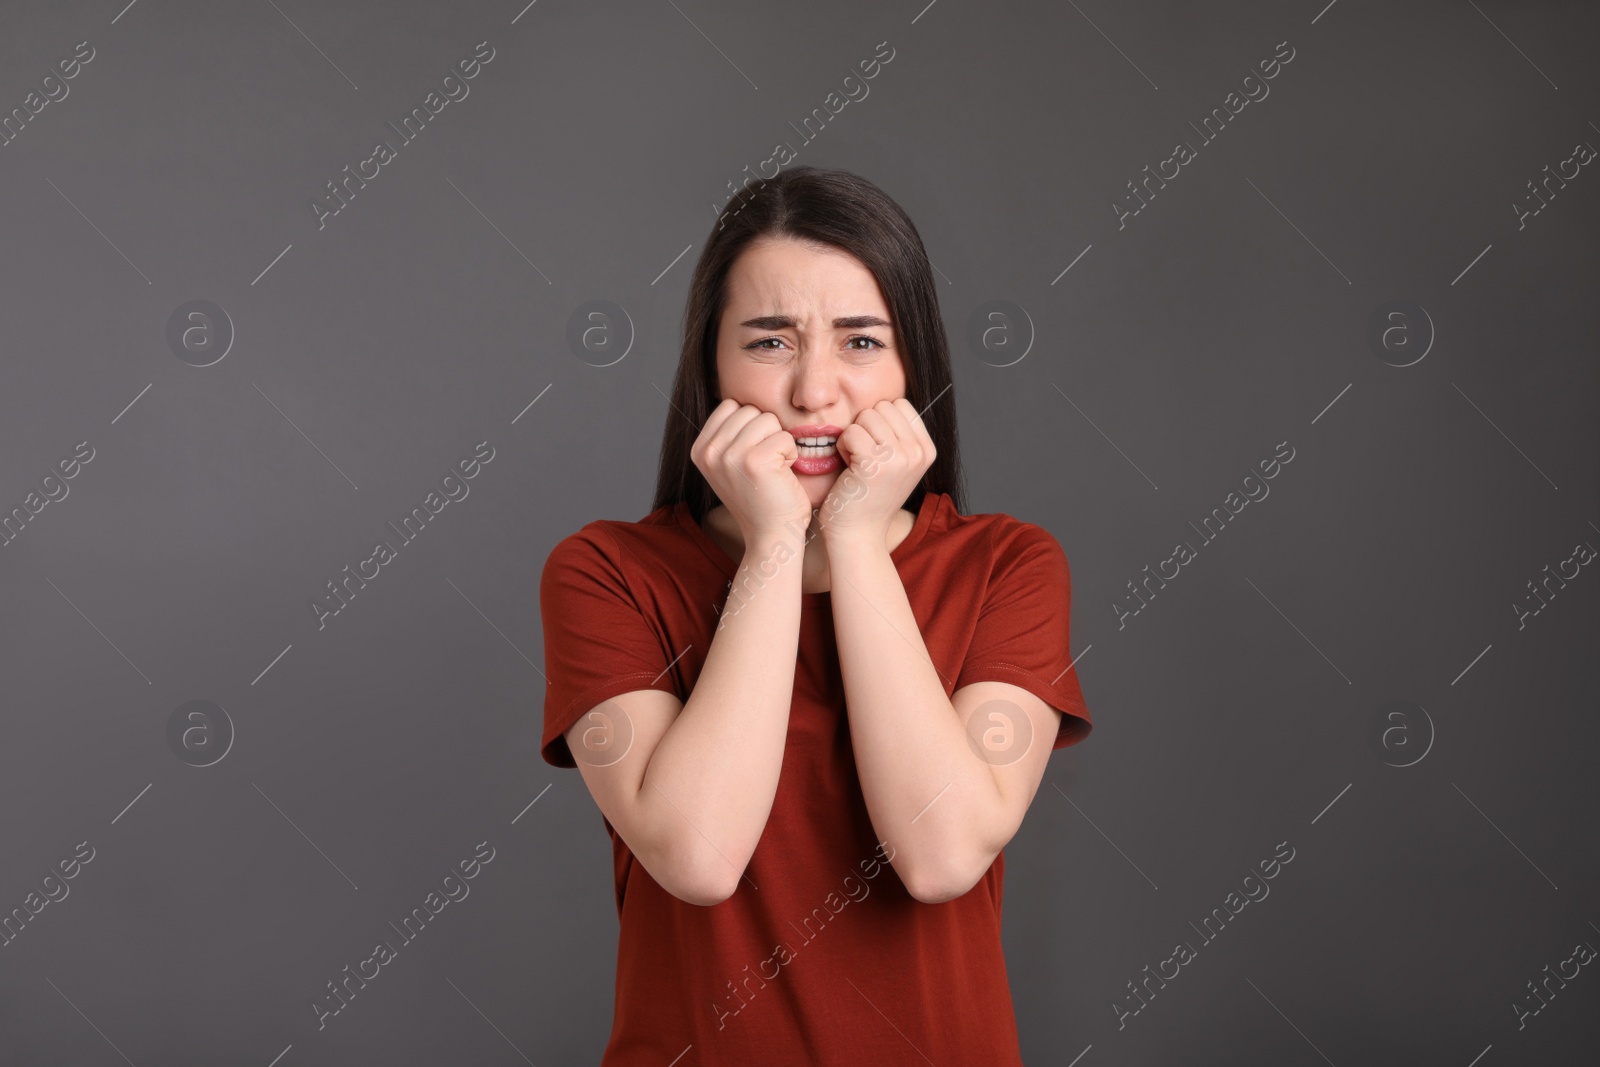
[(1229, 315)]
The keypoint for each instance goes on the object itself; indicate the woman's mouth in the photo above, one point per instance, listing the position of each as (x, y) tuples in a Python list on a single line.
[(818, 455)]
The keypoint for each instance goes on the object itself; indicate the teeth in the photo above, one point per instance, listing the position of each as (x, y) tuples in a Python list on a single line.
[(816, 441)]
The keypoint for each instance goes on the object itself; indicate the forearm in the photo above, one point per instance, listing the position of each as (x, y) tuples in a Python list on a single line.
[(711, 781), (925, 790)]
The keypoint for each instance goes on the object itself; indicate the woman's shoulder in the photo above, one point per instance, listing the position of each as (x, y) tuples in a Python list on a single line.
[(1001, 535), (616, 540)]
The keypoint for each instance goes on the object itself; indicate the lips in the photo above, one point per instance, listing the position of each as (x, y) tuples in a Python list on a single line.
[(821, 456), (816, 430), (826, 463)]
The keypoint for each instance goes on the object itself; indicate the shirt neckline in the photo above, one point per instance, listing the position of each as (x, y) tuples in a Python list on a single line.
[(730, 568)]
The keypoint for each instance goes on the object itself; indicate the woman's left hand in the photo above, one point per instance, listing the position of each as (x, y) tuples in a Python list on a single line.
[(886, 451)]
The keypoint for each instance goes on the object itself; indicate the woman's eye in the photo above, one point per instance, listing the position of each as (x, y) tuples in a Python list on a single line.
[(771, 344)]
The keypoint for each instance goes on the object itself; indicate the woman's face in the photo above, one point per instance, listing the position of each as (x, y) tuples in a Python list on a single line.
[(806, 335)]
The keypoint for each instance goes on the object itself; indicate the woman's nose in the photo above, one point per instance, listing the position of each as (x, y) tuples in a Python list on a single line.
[(816, 382)]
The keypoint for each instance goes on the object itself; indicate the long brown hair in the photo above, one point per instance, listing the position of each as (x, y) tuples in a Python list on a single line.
[(844, 210)]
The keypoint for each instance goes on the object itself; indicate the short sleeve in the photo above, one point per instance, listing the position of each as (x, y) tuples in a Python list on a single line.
[(1022, 631), (597, 641)]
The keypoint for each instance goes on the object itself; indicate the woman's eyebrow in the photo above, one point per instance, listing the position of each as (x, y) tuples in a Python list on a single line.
[(784, 322)]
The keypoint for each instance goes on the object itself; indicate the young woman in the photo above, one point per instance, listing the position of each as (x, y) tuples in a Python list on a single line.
[(812, 699)]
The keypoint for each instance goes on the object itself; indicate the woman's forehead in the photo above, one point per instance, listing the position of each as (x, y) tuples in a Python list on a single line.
[(808, 287)]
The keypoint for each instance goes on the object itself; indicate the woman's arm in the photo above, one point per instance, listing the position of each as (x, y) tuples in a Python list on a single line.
[(693, 792), (946, 811)]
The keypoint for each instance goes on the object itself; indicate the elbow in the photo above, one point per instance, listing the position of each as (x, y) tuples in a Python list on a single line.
[(937, 891), (705, 896), (693, 889), (695, 877), (966, 867), (954, 870), (938, 883), (706, 891), (932, 894)]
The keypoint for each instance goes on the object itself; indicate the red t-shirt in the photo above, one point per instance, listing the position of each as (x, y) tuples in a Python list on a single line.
[(831, 961)]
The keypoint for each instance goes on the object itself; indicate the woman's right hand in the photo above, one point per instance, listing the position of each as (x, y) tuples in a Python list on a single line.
[(746, 456)]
